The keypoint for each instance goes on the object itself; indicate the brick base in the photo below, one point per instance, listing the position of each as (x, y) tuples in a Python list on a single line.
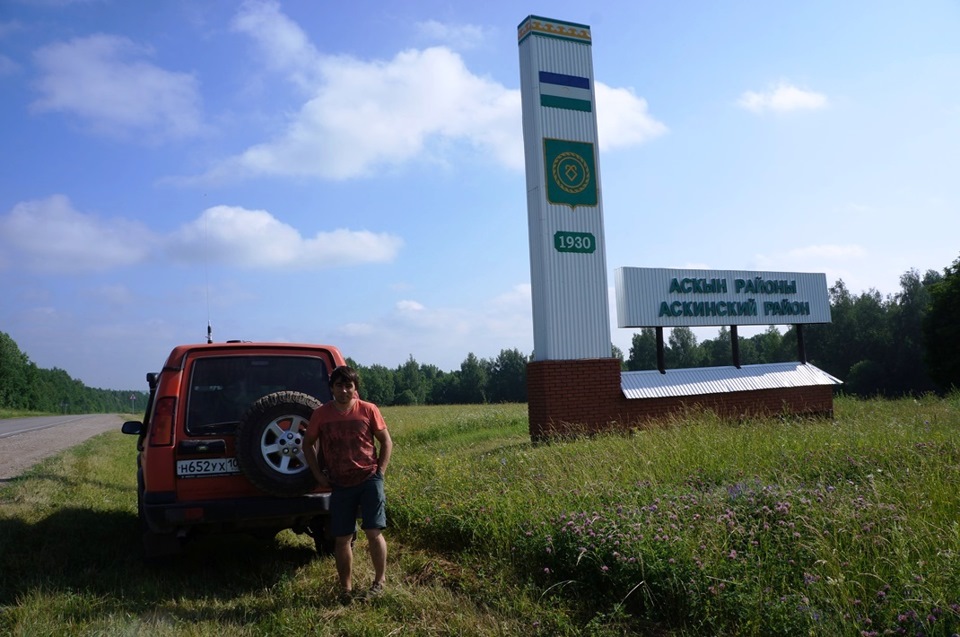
[(574, 397)]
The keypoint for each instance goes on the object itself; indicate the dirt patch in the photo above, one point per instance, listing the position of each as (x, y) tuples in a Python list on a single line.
[(21, 451)]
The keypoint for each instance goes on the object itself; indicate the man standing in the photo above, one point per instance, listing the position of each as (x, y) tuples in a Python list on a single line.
[(348, 461)]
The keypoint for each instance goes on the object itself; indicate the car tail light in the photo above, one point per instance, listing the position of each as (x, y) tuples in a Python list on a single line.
[(161, 428)]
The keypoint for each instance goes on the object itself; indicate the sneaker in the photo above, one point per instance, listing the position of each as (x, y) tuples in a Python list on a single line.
[(376, 590), (346, 597)]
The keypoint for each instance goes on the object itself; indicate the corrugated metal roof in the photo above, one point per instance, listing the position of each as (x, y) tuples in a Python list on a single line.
[(718, 380)]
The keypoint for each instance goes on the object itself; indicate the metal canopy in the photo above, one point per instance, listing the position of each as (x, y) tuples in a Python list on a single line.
[(719, 380)]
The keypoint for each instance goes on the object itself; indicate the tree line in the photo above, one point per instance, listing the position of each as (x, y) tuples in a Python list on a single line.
[(907, 343), (26, 387)]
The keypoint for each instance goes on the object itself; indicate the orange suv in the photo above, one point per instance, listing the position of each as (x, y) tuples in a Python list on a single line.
[(220, 446)]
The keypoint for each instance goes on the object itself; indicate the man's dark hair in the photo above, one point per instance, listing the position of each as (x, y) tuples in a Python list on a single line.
[(345, 373)]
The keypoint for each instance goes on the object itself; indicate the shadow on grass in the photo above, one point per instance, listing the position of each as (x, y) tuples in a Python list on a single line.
[(76, 550), (65, 484)]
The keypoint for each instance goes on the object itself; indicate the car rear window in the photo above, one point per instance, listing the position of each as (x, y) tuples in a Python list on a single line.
[(223, 388)]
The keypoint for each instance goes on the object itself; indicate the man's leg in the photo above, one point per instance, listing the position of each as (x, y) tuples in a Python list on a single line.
[(378, 554), (343, 555), (343, 525)]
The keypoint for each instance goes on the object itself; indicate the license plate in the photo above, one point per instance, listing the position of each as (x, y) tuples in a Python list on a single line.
[(207, 467)]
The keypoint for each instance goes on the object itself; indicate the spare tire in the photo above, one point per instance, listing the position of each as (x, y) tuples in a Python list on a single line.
[(270, 443)]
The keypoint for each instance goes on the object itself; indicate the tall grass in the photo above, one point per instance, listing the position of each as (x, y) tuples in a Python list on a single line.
[(700, 526), (763, 527)]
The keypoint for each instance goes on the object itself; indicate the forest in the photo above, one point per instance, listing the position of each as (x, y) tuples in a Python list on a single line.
[(904, 344), (26, 387)]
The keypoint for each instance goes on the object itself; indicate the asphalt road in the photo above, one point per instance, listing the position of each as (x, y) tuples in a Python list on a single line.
[(26, 441), (14, 426)]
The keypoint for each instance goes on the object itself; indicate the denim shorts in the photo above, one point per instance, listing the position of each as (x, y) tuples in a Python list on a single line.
[(365, 500)]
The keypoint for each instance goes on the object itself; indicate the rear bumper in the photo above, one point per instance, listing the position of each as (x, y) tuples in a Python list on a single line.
[(163, 516)]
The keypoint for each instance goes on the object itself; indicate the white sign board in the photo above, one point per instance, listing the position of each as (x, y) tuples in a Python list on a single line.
[(661, 297)]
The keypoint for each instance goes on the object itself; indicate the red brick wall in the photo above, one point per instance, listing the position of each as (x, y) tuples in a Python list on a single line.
[(567, 397)]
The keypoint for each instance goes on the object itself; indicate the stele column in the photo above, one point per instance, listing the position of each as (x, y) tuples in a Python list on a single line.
[(568, 271)]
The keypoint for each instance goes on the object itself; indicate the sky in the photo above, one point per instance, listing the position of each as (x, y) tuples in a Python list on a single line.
[(352, 173)]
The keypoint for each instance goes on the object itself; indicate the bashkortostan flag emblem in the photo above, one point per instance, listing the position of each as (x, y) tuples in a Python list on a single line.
[(565, 91)]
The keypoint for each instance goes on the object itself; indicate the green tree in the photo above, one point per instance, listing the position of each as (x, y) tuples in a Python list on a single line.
[(768, 345), (859, 332), (430, 375), (507, 382), (643, 350), (617, 353), (941, 329), (409, 378), (14, 376), (406, 397), (717, 352), (789, 346), (748, 351), (473, 381), (906, 371), (445, 389), (377, 385), (683, 351)]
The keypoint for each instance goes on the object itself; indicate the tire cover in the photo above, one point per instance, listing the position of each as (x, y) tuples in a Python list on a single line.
[(269, 443)]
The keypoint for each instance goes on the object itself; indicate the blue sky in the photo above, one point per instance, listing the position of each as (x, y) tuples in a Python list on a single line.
[(352, 173)]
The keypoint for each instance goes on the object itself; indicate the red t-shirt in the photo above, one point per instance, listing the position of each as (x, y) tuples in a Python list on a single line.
[(347, 440)]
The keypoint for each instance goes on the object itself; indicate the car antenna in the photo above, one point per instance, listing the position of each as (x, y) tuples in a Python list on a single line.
[(206, 273)]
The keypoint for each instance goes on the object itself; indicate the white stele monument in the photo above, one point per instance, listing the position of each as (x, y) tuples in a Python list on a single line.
[(567, 251)]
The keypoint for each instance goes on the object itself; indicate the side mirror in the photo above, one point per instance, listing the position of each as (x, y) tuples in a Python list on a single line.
[(132, 427)]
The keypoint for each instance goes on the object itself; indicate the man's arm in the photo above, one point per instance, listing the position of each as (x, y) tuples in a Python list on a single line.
[(386, 448), (310, 453)]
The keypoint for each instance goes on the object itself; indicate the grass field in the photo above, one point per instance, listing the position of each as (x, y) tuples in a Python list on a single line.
[(701, 526)]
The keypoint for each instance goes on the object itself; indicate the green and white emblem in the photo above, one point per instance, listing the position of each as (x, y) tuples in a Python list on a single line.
[(571, 173)]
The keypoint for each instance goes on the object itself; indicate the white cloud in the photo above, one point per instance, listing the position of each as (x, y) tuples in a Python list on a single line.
[(442, 336), (105, 81), (834, 260), (420, 105), (854, 208), (782, 98), (256, 239), (623, 119), (456, 36), (48, 235), (358, 329), (410, 306), (285, 46), (518, 295), (367, 115), (828, 251)]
